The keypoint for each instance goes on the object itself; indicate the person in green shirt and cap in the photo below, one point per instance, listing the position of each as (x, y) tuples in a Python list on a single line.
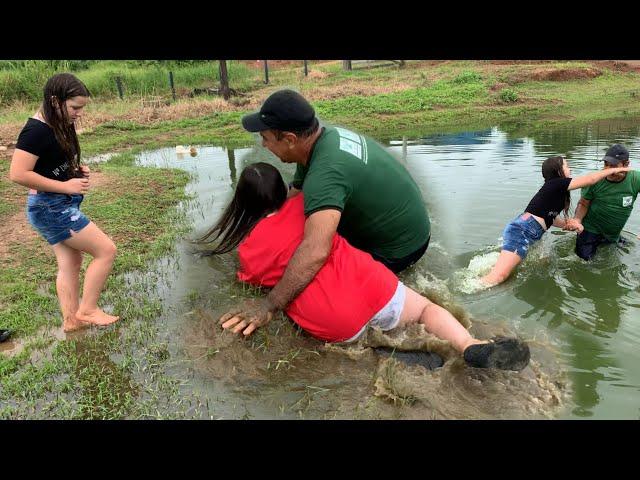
[(604, 208), (351, 186)]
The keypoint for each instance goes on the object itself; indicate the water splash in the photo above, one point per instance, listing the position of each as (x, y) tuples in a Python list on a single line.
[(467, 280)]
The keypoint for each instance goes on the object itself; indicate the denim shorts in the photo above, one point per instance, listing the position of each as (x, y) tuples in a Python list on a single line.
[(389, 316), (520, 234), (54, 215)]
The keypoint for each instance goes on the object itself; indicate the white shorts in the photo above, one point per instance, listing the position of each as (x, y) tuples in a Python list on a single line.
[(389, 316)]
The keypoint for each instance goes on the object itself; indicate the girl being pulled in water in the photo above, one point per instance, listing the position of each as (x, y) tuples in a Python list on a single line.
[(350, 292), (542, 212)]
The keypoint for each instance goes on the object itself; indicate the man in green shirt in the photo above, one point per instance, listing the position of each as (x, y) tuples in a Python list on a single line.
[(351, 185), (604, 208)]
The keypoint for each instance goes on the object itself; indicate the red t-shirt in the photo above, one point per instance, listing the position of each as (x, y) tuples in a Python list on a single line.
[(349, 289)]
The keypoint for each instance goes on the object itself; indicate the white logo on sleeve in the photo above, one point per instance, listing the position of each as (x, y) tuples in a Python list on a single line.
[(627, 201), (353, 143)]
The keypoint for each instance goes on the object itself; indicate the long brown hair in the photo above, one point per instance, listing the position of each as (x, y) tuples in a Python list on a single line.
[(552, 168), (58, 89), (260, 191)]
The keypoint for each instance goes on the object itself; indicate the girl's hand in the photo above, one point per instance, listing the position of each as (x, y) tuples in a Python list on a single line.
[(76, 186), (85, 170), (253, 314)]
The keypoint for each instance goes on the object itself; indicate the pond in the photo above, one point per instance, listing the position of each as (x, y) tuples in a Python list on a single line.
[(580, 317)]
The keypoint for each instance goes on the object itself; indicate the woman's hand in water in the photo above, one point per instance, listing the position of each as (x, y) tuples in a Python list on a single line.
[(253, 314)]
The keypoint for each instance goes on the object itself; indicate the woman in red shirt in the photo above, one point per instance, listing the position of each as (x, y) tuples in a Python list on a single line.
[(350, 292)]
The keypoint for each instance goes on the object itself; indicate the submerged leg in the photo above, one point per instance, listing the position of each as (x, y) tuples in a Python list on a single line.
[(507, 261)]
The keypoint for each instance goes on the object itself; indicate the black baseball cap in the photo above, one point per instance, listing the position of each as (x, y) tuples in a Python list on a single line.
[(616, 154), (284, 110)]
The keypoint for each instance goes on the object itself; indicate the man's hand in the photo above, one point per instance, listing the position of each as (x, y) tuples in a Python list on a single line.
[(574, 224), (254, 313)]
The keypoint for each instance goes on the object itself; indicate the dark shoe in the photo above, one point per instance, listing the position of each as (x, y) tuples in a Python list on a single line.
[(4, 335), (501, 352), (428, 360)]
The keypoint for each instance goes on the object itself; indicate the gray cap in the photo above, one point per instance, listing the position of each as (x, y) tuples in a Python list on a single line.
[(617, 153)]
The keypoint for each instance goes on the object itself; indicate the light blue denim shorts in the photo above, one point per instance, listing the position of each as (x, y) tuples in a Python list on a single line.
[(389, 316), (520, 234), (54, 215)]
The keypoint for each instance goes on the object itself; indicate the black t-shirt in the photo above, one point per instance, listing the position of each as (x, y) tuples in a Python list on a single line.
[(38, 139), (549, 201)]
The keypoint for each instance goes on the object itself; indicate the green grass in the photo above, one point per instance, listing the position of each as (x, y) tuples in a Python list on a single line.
[(24, 81), (79, 380)]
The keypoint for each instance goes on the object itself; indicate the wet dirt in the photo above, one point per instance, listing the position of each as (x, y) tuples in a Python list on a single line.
[(287, 372)]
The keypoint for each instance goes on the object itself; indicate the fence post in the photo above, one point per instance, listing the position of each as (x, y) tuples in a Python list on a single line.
[(306, 70), (173, 89), (224, 79), (346, 64), (404, 150), (266, 72), (231, 154), (119, 86)]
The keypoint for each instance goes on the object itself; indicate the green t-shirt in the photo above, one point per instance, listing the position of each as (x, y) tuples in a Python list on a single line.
[(611, 205), (382, 208)]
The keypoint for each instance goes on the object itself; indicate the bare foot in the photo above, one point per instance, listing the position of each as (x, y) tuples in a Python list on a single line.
[(96, 317), (72, 324)]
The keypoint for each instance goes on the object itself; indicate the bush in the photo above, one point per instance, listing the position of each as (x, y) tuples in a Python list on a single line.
[(468, 77), (508, 95)]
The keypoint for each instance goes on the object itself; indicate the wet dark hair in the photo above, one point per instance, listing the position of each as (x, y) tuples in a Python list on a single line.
[(552, 168), (300, 133), (260, 191), (58, 89)]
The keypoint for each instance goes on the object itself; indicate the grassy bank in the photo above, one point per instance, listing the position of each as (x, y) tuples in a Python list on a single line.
[(392, 102), (77, 378), (23, 81)]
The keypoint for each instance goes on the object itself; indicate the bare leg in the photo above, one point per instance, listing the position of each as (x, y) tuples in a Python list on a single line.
[(507, 261), (68, 284), (503, 353), (437, 320), (95, 242)]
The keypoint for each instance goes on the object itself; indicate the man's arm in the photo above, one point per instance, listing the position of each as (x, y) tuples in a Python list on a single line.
[(292, 192), (575, 223), (319, 230), (582, 209)]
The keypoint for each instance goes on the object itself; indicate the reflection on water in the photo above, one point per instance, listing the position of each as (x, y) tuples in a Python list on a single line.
[(579, 316)]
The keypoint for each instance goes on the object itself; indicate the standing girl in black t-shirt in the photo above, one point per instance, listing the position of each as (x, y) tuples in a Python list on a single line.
[(542, 212), (47, 160)]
